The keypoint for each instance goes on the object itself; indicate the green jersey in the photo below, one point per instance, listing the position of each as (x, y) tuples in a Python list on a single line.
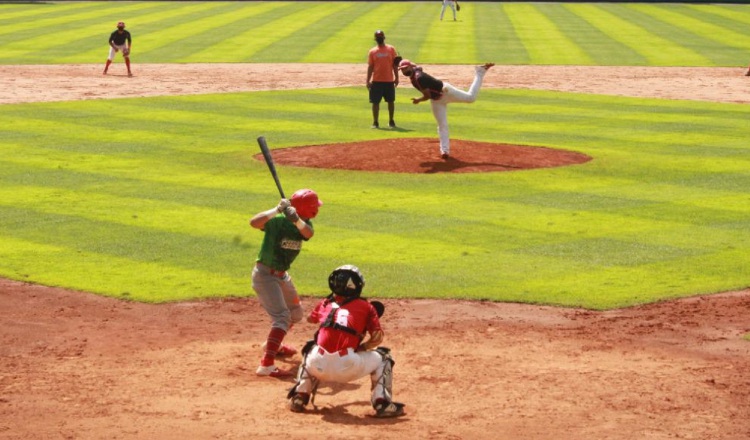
[(282, 243)]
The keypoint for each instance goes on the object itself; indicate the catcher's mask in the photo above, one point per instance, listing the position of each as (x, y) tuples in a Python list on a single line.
[(121, 25), (306, 202), (346, 281)]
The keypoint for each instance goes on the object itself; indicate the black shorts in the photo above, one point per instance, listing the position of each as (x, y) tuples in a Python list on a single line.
[(382, 90)]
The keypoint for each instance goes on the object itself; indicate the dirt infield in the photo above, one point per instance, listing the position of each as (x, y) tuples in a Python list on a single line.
[(76, 366)]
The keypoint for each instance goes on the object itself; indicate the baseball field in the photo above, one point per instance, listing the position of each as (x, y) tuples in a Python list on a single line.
[(578, 270)]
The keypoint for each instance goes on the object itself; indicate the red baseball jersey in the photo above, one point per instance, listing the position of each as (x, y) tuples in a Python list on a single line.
[(358, 315)]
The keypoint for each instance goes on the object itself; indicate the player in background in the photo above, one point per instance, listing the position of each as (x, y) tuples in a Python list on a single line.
[(453, 4), (382, 78), (119, 40), (339, 351), (440, 94), (285, 227)]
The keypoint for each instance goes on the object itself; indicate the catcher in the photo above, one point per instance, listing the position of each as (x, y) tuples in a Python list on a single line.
[(339, 353), (119, 40)]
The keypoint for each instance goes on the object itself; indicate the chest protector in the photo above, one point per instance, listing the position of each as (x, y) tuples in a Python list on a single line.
[(330, 321)]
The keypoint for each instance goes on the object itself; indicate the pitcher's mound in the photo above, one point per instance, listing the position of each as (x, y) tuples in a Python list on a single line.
[(422, 155)]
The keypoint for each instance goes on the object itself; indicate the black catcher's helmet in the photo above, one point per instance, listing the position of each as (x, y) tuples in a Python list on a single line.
[(346, 281)]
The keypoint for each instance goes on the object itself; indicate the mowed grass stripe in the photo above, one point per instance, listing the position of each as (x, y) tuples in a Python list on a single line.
[(408, 36), (276, 26), (733, 13), (699, 31), (276, 50), (306, 41), (120, 210), (735, 23), (97, 271), (612, 22), (55, 42), (10, 13), (153, 30), (541, 217), (544, 41), (52, 18), (359, 22), (90, 42), (449, 41), (495, 37), (693, 33), (185, 25), (603, 50)]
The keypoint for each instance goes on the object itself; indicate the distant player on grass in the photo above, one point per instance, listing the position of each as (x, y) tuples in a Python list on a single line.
[(119, 40)]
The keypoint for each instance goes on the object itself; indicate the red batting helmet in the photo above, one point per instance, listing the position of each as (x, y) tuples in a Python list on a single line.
[(306, 202)]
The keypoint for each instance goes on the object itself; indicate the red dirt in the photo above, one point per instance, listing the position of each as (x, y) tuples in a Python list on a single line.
[(76, 365)]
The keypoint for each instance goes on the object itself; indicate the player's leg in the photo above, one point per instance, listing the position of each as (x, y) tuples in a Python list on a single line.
[(381, 378), (271, 298), (389, 95), (127, 64), (109, 59), (442, 11), (296, 311), (453, 8), (440, 112), (299, 395), (291, 298), (376, 95)]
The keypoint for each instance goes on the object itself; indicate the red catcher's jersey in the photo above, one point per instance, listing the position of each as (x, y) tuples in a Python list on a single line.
[(358, 315)]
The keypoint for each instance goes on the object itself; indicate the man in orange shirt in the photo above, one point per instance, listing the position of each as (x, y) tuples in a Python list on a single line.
[(382, 78)]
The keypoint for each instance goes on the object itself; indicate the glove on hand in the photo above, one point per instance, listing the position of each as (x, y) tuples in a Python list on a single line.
[(291, 214), (458, 7), (283, 204), (397, 61)]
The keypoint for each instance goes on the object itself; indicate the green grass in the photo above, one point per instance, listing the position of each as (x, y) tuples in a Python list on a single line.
[(157, 208), (149, 199), (506, 33)]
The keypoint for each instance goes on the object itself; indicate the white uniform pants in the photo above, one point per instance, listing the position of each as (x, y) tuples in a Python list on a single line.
[(452, 94), (451, 4), (344, 367), (112, 50)]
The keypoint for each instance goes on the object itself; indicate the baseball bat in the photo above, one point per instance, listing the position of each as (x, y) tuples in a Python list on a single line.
[(269, 161)]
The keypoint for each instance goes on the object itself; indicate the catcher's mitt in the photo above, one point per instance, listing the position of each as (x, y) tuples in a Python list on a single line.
[(125, 52), (458, 7), (379, 307)]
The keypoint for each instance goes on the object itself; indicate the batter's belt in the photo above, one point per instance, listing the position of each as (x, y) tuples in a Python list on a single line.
[(274, 272)]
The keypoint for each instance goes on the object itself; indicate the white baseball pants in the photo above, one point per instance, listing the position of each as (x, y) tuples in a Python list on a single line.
[(452, 94)]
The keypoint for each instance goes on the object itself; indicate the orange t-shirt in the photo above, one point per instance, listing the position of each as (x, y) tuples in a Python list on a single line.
[(381, 60)]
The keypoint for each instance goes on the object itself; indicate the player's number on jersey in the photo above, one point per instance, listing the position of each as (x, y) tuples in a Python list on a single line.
[(342, 317)]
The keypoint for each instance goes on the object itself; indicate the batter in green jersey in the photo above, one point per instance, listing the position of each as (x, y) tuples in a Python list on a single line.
[(285, 227)]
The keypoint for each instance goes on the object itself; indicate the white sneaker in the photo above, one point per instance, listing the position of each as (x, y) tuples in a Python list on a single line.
[(272, 371)]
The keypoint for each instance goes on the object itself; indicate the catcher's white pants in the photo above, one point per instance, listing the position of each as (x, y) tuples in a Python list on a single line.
[(452, 5), (452, 94), (343, 368), (112, 50)]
